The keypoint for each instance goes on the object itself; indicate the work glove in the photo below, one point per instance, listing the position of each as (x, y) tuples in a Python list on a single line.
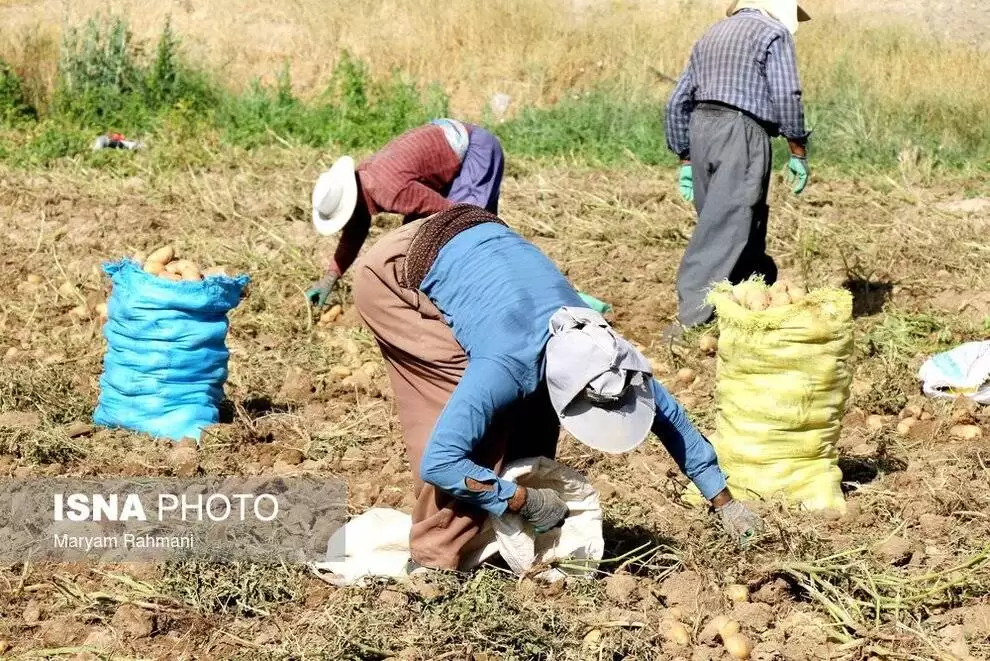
[(686, 181), (797, 173), (320, 291), (742, 525), (544, 509)]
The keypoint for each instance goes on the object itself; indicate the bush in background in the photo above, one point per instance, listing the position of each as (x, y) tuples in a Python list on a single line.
[(107, 81), (14, 107)]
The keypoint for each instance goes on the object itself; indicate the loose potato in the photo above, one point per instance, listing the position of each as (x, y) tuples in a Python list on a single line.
[(154, 268), (686, 376), (174, 277), (68, 290), (738, 646), (713, 629), (80, 311), (728, 628), (966, 432), (737, 592), (708, 344), (331, 315), (904, 426), (101, 309), (910, 411), (163, 255), (677, 633)]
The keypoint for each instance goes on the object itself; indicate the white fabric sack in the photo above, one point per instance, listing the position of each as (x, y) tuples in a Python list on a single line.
[(579, 540), (964, 370), (376, 543)]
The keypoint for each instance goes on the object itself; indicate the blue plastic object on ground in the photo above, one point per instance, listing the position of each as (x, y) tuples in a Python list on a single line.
[(601, 307), (166, 359)]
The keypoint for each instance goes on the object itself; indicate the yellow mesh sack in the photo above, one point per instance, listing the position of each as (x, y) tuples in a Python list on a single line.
[(781, 387)]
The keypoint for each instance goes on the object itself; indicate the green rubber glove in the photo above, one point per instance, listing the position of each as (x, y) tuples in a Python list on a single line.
[(798, 173), (320, 291), (601, 307), (686, 182)]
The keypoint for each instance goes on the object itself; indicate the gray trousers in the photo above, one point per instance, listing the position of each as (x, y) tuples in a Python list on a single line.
[(730, 163)]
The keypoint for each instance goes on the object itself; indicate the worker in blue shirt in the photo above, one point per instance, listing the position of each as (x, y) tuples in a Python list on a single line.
[(489, 350), (740, 88)]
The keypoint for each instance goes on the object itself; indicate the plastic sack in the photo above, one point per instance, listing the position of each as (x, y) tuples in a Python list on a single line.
[(964, 370), (376, 543), (166, 360), (782, 384)]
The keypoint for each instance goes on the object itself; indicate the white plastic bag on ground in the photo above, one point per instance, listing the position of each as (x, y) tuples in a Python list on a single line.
[(376, 543), (964, 370)]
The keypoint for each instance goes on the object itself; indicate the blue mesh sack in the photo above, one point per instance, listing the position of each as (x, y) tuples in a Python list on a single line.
[(166, 360)]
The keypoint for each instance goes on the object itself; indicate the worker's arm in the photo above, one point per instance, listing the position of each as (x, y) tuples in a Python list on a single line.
[(678, 115), (692, 452), (485, 388), (785, 91), (351, 239)]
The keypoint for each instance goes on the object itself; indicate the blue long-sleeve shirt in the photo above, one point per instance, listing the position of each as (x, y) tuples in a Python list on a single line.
[(746, 61), (497, 292)]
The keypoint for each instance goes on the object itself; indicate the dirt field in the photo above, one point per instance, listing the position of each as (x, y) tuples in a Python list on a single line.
[(904, 574)]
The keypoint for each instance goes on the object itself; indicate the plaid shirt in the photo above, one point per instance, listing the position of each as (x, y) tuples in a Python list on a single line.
[(408, 176), (746, 61)]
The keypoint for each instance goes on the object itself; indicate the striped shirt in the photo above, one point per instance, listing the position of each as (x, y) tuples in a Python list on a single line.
[(409, 176), (746, 61)]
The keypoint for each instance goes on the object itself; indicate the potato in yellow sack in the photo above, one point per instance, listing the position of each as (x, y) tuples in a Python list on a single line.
[(782, 384)]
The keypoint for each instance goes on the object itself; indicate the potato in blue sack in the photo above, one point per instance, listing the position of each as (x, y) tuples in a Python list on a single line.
[(166, 359)]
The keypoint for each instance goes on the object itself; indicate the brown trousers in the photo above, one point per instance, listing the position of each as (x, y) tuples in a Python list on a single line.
[(425, 363)]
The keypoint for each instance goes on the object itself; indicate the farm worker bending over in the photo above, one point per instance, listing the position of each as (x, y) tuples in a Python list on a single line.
[(423, 171), (489, 349), (740, 88)]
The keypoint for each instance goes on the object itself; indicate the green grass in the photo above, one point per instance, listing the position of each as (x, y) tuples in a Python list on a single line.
[(108, 82)]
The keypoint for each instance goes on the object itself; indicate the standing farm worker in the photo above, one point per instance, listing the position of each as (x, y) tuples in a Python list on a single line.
[(423, 171), (489, 350), (740, 88)]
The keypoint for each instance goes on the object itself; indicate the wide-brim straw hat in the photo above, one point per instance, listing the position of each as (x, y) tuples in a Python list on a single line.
[(335, 197), (802, 15)]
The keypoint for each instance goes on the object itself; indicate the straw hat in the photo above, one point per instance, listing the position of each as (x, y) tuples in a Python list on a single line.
[(335, 197), (788, 12)]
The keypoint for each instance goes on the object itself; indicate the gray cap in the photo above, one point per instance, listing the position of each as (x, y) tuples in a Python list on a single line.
[(600, 385)]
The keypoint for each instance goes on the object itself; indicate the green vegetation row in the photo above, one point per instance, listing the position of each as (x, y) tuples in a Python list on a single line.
[(107, 82)]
